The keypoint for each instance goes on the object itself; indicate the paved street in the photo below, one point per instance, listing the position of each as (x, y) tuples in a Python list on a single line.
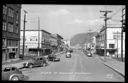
[(77, 68)]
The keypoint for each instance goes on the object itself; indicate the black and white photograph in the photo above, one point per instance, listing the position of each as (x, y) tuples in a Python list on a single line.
[(63, 42)]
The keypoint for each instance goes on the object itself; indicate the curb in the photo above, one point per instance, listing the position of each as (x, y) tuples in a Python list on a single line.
[(114, 70), (111, 67), (18, 65)]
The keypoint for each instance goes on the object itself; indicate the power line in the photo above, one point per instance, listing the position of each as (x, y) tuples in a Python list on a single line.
[(116, 20), (116, 12)]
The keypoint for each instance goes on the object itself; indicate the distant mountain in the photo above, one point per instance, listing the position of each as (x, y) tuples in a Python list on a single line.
[(81, 38)]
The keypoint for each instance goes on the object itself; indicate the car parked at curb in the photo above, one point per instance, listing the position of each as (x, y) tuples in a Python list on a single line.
[(12, 74), (36, 61)]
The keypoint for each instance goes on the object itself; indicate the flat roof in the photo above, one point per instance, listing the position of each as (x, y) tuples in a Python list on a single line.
[(38, 30)]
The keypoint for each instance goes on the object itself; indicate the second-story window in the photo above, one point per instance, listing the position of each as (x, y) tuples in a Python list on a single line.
[(9, 42), (117, 35), (10, 12), (10, 27)]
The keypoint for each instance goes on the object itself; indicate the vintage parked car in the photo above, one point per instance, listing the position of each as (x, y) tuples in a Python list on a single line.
[(53, 57), (36, 61), (68, 54), (12, 74)]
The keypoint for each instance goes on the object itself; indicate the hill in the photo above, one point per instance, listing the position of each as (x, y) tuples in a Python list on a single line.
[(81, 38)]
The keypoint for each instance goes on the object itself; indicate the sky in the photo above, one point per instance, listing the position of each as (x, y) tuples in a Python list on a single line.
[(68, 20)]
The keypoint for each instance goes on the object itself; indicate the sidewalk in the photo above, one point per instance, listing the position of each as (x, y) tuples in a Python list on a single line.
[(114, 64), (18, 64)]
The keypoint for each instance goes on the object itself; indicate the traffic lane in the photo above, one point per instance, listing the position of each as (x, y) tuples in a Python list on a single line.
[(78, 68), (97, 70), (62, 70), (54, 71)]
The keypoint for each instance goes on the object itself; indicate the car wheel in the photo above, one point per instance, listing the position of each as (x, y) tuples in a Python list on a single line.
[(15, 78), (30, 66)]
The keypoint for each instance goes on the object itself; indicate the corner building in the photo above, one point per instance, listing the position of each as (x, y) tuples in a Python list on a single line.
[(11, 32)]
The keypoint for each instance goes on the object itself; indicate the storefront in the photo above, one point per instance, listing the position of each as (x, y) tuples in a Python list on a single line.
[(12, 52), (4, 54)]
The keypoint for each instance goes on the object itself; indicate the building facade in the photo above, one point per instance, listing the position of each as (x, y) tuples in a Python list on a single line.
[(54, 43), (35, 40), (113, 41), (31, 42), (40, 41), (11, 31)]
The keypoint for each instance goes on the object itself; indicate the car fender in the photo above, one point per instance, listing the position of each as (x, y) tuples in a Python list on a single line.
[(13, 75)]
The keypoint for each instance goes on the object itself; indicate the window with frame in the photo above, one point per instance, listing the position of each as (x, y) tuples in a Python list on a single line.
[(4, 42), (9, 43), (114, 36), (4, 9), (111, 45), (117, 36), (10, 27), (10, 12), (4, 26)]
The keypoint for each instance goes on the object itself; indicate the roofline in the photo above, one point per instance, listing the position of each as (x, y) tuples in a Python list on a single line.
[(60, 36), (108, 27), (38, 30)]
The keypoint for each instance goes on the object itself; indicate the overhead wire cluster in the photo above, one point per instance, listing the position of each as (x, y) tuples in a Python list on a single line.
[(114, 14)]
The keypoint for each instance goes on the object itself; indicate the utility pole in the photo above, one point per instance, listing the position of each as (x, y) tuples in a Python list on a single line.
[(25, 12), (89, 38), (123, 21), (117, 43), (105, 40), (38, 36)]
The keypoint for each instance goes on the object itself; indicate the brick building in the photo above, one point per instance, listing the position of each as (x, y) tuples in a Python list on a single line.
[(11, 31)]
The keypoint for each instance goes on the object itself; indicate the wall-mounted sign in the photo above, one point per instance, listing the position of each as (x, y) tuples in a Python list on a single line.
[(33, 38)]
